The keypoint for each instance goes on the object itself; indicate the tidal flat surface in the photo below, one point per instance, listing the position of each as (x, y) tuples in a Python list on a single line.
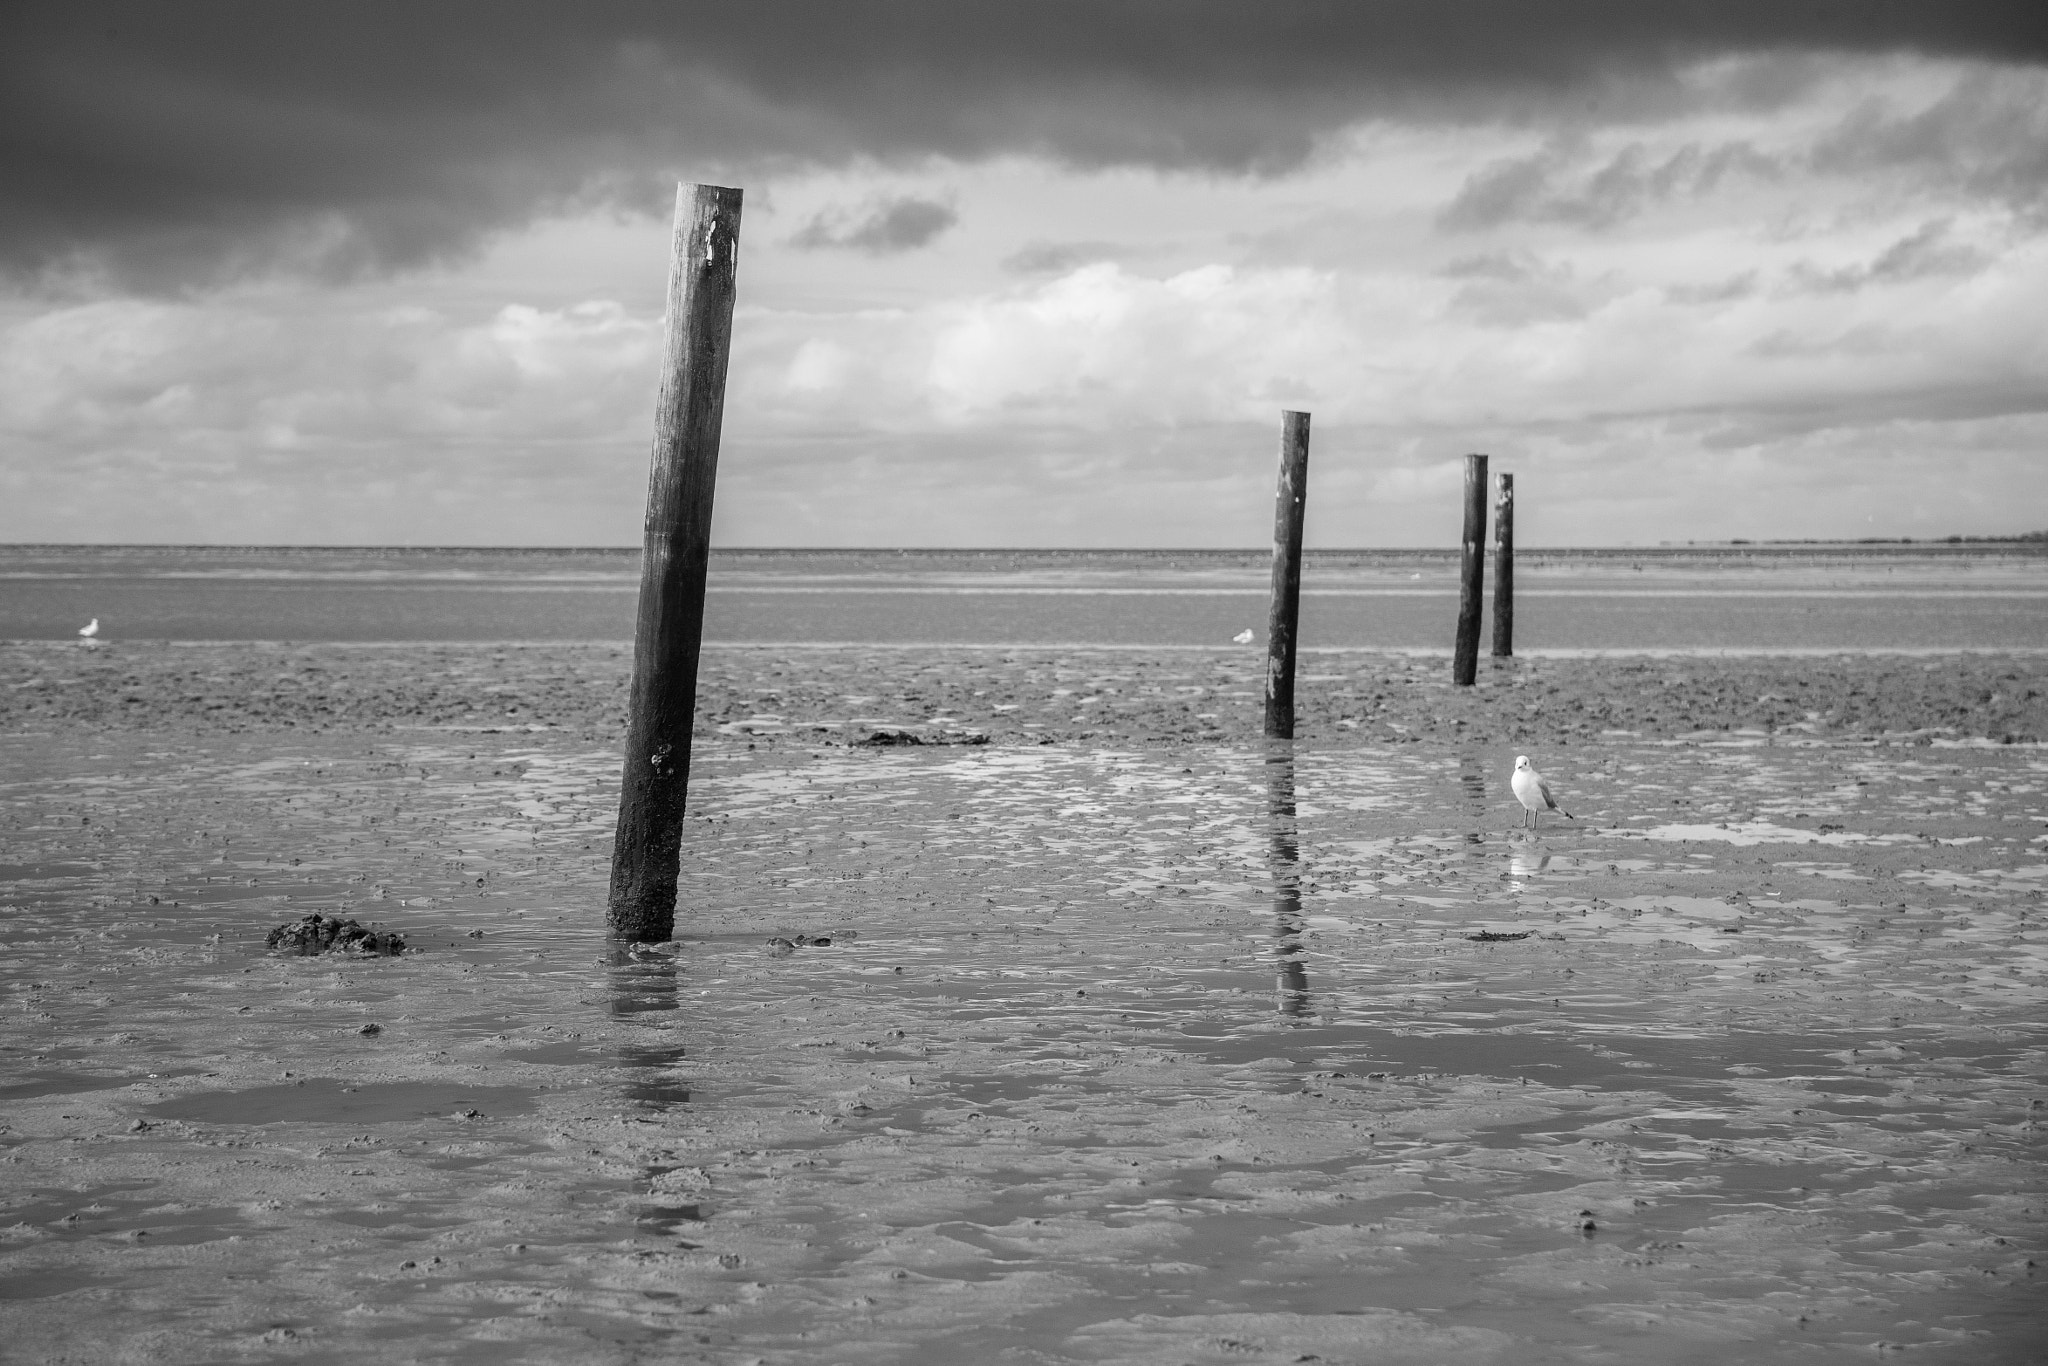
[(773, 696), (1191, 1053)]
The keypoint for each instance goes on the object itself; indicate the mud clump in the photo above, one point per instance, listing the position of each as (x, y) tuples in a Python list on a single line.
[(883, 739), (782, 946), (327, 934)]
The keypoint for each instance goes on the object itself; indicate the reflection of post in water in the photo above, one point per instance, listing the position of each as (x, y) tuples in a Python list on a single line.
[(1472, 777), (1283, 859), (643, 984)]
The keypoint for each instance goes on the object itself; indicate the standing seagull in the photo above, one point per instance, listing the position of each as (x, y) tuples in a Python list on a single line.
[(90, 629), (1533, 793)]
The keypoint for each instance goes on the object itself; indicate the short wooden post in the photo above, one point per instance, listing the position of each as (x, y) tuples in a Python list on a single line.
[(1471, 574), (670, 624), (1288, 504), (1503, 566)]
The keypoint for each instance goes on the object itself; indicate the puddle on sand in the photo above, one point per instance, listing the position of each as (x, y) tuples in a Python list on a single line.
[(22, 1084), (1168, 1055), (324, 1100)]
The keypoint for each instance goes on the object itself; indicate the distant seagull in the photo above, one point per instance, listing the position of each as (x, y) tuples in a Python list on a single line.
[(1533, 793), (1243, 637), (1415, 576), (90, 629)]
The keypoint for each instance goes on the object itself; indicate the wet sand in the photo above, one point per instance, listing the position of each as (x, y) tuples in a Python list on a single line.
[(1151, 1044), (844, 694)]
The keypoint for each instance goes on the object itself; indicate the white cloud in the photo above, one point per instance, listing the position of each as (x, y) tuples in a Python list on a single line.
[(283, 416), (1665, 330)]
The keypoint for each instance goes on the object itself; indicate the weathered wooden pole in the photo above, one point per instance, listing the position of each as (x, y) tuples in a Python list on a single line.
[(1288, 505), (1503, 566), (1471, 574), (670, 625)]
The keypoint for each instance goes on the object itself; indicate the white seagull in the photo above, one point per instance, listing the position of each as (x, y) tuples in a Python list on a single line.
[(1533, 793), (90, 629), (1243, 637)]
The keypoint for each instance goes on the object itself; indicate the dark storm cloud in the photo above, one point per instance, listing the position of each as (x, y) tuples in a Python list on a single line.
[(1926, 252), (169, 143), (1987, 140), (1547, 187), (881, 228)]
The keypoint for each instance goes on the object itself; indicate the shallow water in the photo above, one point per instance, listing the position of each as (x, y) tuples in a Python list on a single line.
[(1888, 598), (1201, 1054)]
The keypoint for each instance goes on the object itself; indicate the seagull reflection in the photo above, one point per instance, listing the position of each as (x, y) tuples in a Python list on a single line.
[(1283, 859), (1523, 863), (643, 982)]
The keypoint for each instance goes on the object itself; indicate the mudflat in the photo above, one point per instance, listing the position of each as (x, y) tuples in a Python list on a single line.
[(1013, 695), (1089, 1028)]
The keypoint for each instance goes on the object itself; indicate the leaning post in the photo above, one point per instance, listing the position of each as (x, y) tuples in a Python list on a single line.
[(1471, 574), (1289, 502), (669, 626), (1503, 565)]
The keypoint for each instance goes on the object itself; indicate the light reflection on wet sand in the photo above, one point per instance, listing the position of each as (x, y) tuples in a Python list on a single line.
[(1132, 1055)]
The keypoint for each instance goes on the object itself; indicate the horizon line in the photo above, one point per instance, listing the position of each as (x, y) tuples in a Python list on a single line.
[(2030, 538)]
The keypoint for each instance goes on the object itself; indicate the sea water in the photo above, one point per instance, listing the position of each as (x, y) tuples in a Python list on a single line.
[(1886, 598)]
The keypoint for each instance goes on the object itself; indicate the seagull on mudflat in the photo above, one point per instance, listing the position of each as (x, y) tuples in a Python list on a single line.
[(1243, 637), (90, 629), (1533, 793)]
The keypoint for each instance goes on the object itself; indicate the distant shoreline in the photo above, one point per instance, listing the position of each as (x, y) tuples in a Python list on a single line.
[(1805, 596), (2032, 546)]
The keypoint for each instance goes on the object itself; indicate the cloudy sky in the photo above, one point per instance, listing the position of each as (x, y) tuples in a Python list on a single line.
[(1027, 274)]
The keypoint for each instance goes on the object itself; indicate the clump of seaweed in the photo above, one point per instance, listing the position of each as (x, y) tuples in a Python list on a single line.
[(329, 934)]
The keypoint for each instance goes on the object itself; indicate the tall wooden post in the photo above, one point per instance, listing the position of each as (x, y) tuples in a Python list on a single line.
[(1503, 566), (1471, 574), (1289, 502), (670, 625)]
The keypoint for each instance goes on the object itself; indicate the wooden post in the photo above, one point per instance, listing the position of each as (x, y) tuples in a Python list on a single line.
[(670, 624), (1503, 566), (1471, 574), (1288, 505)]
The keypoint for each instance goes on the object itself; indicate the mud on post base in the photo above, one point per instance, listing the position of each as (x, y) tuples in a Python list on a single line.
[(670, 624), (647, 850)]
